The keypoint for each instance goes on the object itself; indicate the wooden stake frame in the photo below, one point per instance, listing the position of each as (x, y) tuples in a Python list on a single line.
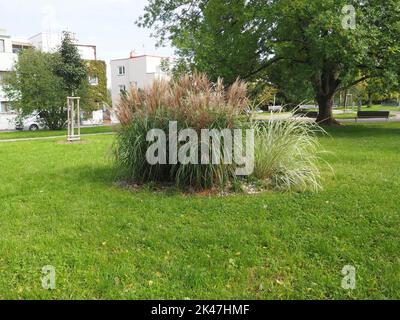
[(74, 119)]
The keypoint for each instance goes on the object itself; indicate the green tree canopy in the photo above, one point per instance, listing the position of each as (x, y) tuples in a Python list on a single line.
[(71, 67), (34, 87), (313, 45)]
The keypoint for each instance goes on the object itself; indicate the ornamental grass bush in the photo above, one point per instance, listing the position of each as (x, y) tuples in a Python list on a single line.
[(286, 152), (193, 102)]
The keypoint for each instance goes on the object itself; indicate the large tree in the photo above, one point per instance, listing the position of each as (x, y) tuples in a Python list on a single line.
[(319, 44)]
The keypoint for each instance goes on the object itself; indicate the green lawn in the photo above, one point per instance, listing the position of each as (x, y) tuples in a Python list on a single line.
[(353, 116), (373, 108), (59, 207), (49, 133), (348, 115)]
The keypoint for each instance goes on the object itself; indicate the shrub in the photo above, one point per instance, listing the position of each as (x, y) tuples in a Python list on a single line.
[(194, 102), (286, 154)]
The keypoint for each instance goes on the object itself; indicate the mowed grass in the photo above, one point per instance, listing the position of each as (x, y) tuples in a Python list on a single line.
[(59, 207), (373, 108), (52, 133)]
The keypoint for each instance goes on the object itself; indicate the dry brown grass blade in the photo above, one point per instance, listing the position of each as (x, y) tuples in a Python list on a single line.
[(193, 99)]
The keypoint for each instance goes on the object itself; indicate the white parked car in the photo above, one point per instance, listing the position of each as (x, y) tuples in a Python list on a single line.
[(31, 123)]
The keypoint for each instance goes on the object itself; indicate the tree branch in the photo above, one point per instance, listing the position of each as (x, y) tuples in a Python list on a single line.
[(266, 65), (355, 83)]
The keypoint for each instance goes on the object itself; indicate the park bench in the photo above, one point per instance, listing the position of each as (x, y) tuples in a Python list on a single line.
[(307, 114), (373, 115)]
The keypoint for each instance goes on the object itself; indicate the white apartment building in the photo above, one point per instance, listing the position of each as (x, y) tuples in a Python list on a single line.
[(48, 42), (137, 70), (9, 47)]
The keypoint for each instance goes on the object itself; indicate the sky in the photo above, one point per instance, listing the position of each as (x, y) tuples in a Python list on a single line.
[(108, 24)]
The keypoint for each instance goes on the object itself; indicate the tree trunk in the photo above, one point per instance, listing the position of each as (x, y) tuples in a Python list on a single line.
[(325, 86), (325, 116), (369, 100)]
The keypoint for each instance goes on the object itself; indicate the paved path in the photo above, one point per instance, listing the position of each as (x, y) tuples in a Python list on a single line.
[(56, 137), (396, 118), (287, 115)]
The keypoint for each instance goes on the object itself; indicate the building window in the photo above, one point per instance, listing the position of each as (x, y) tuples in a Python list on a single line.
[(4, 107), (122, 88), (16, 48), (121, 70), (93, 81), (2, 76), (2, 46)]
